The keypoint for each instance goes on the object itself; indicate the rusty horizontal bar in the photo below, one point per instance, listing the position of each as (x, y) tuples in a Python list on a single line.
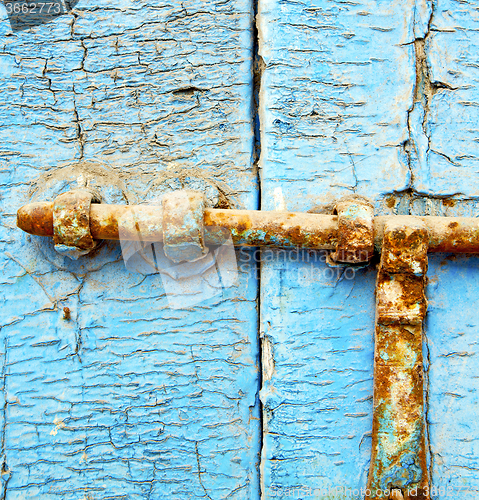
[(253, 228), (247, 228)]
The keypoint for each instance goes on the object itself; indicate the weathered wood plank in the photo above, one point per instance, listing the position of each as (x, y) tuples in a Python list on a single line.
[(128, 399), (317, 377), (352, 103), (453, 394), (337, 84), (445, 122)]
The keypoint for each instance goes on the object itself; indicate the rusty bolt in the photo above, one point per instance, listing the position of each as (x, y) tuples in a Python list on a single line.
[(66, 313), (272, 229)]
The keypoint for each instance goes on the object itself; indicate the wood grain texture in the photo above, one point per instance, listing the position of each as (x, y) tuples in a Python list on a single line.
[(129, 399), (446, 135), (373, 98), (317, 377), (336, 88)]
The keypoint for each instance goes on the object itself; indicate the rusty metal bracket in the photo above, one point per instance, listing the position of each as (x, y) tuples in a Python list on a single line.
[(183, 226), (355, 231), (71, 223), (398, 459)]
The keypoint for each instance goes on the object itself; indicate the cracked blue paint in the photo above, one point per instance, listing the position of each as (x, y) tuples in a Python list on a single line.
[(127, 399)]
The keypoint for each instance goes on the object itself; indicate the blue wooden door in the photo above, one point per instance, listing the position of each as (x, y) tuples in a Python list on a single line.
[(264, 390)]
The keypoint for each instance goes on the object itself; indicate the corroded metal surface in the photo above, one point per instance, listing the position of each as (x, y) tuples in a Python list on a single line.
[(36, 218), (256, 228), (276, 229), (247, 227), (446, 234), (183, 226), (71, 223), (355, 231), (398, 457)]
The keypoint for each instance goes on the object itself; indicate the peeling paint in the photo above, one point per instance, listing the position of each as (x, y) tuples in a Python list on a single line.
[(97, 87), (267, 356)]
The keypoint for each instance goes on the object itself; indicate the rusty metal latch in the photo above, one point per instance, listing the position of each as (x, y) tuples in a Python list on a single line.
[(398, 462), (261, 228)]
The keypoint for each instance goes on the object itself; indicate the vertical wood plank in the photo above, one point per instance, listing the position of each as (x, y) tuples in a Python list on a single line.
[(336, 88), (128, 399), (373, 98), (337, 83)]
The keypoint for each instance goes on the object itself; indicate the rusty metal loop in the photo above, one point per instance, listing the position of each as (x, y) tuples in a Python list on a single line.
[(71, 223), (183, 226), (355, 231)]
